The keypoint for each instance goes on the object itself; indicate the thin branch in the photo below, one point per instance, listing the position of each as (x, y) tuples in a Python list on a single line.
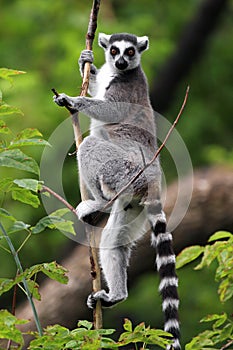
[(227, 345), (97, 316), (95, 268), (61, 199)]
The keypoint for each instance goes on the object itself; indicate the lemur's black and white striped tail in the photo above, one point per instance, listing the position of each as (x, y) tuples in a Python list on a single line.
[(165, 260)]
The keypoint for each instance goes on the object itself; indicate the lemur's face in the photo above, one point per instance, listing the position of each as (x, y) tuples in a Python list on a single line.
[(123, 51), (123, 55)]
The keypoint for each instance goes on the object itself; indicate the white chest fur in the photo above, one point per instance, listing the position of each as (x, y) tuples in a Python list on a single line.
[(103, 79)]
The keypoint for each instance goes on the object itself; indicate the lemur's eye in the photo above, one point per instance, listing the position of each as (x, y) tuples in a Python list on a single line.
[(114, 51), (130, 52)]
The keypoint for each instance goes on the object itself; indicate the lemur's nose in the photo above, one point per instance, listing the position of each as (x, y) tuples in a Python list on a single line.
[(121, 63)]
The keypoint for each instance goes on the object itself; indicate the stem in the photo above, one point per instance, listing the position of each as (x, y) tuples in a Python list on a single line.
[(61, 199), (24, 242), (13, 309), (227, 345), (20, 268)]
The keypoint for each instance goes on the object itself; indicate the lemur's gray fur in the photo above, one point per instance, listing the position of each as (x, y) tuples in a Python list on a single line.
[(122, 139)]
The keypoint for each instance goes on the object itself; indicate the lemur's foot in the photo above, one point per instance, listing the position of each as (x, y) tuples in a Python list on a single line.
[(90, 212), (106, 300)]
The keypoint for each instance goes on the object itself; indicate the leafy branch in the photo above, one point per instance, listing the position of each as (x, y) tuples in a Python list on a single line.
[(25, 283), (220, 249)]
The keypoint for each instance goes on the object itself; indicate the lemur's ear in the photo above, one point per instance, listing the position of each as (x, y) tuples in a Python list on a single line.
[(142, 43), (103, 40)]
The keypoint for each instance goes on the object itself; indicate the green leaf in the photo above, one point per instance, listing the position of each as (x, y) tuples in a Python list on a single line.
[(106, 331), (28, 133), (210, 253), (6, 109), (220, 235), (3, 128), (86, 324), (8, 328), (55, 221), (52, 270), (6, 284), (188, 254), (29, 184), (18, 226), (71, 344), (55, 272), (225, 290), (200, 341), (66, 226), (6, 184), (25, 196), (34, 289), (128, 325), (140, 327), (6, 214), (6, 73), (28, 142), (214, 317), (17, 159)]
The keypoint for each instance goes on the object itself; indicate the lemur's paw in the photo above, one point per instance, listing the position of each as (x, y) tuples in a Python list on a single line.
[(86, 56), (106, 300), (63, 100)]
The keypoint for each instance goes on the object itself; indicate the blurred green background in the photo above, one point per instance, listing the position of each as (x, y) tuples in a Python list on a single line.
[(44, 38)]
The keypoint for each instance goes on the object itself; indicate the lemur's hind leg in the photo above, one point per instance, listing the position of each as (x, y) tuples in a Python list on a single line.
[(165, 261), (122, 228)]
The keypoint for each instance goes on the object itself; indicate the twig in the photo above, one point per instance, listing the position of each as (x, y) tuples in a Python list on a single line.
[(227, 345), (56, 195)]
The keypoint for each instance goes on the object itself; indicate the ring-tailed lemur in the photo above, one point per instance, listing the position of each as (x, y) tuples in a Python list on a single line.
[(122, 139)]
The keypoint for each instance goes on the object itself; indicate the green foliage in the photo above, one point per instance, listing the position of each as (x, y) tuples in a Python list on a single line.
[(221, 333), (25, 190), (8, 329), (52, 270), (220, 250), (6, 73), (18, 160), (83, 337), (55, 220), (143, 334), (46, 40)]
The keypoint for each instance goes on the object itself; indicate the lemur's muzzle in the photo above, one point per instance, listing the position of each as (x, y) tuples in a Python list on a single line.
[(121, 63)]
